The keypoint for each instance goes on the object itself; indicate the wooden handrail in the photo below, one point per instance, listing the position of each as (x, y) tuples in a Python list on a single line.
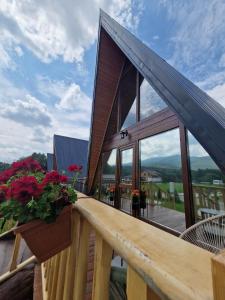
[(170, 266), (160, 266)]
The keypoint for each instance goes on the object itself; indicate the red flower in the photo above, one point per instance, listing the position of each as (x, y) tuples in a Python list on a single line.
[(54, 177), (63, 179), (28, 164), (5, 175), (74, 168), (3, 192), (24, 188)]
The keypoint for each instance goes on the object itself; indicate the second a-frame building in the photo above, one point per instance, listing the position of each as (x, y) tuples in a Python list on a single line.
[(154, 135)]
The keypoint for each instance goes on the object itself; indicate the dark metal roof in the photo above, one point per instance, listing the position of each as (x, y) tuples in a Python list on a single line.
[(69, 151), (202, 115), (49, 162)]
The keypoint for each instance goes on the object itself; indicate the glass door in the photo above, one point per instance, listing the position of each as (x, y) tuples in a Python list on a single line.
[(126, 179)]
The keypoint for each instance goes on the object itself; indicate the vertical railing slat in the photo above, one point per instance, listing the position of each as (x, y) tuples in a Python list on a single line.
[(102, 267), (137, 288), (54, 277), (71, 262), (16, 249), (61, 274), (82, 261), (218, 275)]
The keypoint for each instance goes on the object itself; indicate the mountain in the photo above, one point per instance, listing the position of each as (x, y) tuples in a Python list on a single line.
[(174, 162)]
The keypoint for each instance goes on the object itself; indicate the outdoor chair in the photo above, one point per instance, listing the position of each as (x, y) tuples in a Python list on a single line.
[(208, 234)]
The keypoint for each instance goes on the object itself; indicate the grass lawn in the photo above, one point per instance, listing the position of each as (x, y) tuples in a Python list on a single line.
[(178, 206), (163, 186)]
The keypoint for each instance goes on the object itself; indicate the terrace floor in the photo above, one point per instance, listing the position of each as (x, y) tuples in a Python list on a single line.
[(162, 215)]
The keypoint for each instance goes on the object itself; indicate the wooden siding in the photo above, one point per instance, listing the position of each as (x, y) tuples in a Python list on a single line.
[(109, 69)]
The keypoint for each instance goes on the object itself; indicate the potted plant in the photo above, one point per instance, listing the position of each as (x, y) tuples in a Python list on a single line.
[(111, 193), (41, 203), (135, 202), (143, 199)]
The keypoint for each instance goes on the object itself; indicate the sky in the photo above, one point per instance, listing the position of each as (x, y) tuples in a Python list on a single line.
[(48, 56)]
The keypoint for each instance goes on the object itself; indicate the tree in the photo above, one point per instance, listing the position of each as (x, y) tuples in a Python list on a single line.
[(4, 166)]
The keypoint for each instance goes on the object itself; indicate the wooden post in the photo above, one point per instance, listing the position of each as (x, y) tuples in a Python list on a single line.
[(16, 249), (61, 275), (102, 267), (54, 277), (218, 275), (82, 261), (137, 288), (71, 262), (49, 277)]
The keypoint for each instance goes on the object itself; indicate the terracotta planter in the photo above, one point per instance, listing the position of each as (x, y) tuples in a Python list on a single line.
[(46, 240)]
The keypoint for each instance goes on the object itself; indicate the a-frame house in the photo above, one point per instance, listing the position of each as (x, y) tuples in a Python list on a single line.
[(141, 102)]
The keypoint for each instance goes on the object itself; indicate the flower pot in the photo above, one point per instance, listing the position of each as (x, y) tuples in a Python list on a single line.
[(46, 240)]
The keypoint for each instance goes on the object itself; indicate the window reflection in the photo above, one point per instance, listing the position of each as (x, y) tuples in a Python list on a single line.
[(208, 182), (131, 117), (150, 101), (161, 180), (108, 177), (126, 179)]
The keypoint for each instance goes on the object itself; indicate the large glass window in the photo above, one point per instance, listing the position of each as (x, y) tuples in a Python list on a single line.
[(126, 179), (208, 182), (131, 117), (161, 180), (108, 177), (150, 101)]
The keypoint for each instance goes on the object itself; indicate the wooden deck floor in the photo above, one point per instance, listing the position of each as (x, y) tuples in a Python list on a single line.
[(162, 215)]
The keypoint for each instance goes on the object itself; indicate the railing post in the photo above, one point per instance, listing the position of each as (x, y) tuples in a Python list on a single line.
[(16, 249), (54, 277), (61, 275), (102, 267), (82, 261), (218, 275), (71, 261), (137, 288)]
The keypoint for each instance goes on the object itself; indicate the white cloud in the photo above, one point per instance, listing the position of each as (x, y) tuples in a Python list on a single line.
[(75, 99), (61, 28), (155, 37), (51, 88), (29, 111), (218, 93), (161, 145), (27, 125), (18, 51), (200, 31)]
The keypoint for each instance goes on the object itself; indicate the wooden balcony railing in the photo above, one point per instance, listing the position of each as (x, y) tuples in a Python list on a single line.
[(160, 265)]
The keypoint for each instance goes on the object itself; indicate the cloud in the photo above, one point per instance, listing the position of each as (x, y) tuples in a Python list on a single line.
[(18, 51), (75, 99), (155, 37), (61, 29), (40, 135), (218, 93), (29, 111), (198, 35), (161, 145), (51, 88)]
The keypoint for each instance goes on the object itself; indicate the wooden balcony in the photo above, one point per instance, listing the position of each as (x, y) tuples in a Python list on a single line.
[(159, 265)]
